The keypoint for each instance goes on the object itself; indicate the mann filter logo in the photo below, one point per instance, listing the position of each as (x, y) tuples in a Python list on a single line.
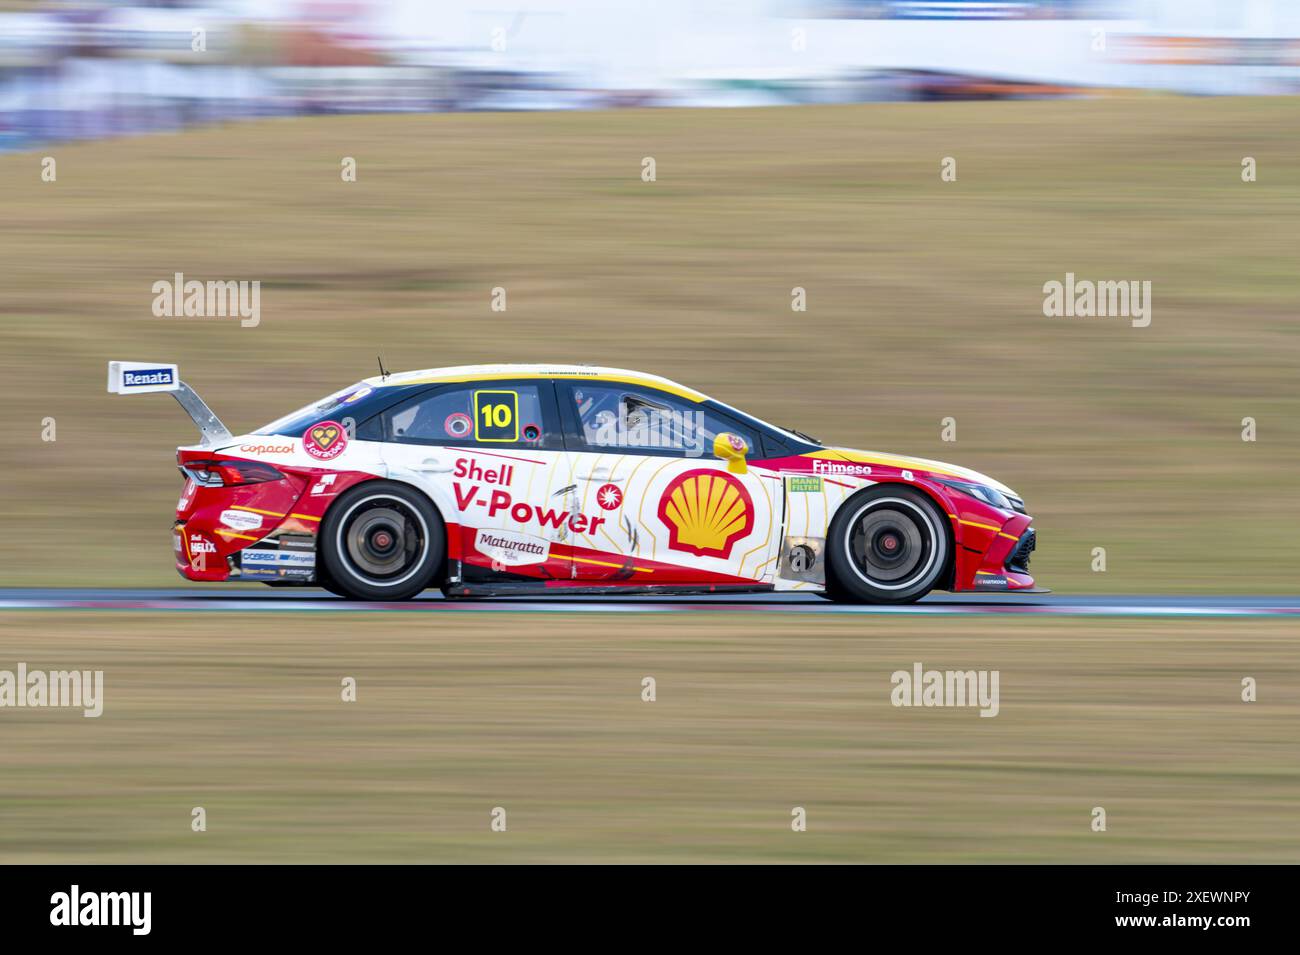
[(804, 485), (325, 441), (142, 377), (512, 550), (706, 512)]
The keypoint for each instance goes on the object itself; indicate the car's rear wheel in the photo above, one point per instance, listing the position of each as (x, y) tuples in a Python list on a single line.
[(381, 541), (326, 582), (888, 544)]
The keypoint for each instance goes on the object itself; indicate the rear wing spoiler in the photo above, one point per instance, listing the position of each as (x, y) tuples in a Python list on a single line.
[(142, 377)]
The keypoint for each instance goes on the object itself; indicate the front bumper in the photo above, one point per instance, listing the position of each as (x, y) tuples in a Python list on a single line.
[(993, 549), (1013, 574), (1018, 562)]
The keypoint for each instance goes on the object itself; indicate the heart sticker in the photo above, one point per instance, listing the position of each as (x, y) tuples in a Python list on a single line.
[(325, 440)]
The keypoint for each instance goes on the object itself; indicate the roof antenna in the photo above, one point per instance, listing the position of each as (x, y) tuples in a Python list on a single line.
[(382, 373)]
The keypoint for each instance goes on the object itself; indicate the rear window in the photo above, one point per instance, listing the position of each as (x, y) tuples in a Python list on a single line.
[(298, 421), (360, 402)]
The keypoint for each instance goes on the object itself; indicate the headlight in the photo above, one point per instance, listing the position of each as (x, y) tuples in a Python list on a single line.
[(989, 495)]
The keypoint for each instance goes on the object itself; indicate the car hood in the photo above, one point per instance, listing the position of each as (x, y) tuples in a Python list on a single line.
[(885, 459)]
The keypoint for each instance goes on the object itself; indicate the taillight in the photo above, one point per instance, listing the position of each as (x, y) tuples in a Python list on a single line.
[(229, 473)]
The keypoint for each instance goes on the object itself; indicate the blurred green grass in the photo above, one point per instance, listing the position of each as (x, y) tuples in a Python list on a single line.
[(460, 713), (924, 301)]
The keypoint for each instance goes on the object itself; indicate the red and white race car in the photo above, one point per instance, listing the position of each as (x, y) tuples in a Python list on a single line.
[(524, 479)]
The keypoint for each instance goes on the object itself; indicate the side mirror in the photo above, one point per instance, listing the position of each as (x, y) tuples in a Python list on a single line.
[(732, 449)]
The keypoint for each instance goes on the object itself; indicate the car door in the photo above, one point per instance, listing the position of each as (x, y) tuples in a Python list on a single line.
[(658, 507), (491, 455)]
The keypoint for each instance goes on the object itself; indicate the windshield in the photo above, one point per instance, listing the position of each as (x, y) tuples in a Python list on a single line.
[(304, 417), (797, 437)]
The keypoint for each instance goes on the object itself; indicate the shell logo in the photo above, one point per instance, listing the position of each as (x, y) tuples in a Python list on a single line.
[(706, 512)]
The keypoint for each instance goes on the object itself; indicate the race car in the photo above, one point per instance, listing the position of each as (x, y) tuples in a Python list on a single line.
[(522, 479)]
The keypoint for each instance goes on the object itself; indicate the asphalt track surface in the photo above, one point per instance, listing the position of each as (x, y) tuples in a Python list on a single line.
[(310, 600)]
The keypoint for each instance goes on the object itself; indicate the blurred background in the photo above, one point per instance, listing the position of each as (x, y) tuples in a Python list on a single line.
[(503, 146), (82, 69)]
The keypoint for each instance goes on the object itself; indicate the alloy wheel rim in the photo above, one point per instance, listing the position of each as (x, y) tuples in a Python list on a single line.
[(383, 540), (889, 546)]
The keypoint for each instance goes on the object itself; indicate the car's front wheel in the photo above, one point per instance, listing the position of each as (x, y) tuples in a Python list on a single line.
[(382, 540), (887, 544)]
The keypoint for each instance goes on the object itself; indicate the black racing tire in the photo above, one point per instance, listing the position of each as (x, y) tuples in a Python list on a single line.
[(325, 581), (887, 544), (381, 540)]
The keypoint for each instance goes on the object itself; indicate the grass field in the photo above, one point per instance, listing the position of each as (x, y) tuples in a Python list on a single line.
[(924, 301), (754, 715)]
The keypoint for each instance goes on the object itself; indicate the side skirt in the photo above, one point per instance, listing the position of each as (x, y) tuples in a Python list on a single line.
[(540, 588)]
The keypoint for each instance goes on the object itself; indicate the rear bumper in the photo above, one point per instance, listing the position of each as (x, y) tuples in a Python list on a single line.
[(239, 532), (264, 531), (280, 556), (196, 554)]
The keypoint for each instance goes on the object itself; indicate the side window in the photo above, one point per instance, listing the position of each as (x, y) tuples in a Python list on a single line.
[(645, 421), (486, 413)]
